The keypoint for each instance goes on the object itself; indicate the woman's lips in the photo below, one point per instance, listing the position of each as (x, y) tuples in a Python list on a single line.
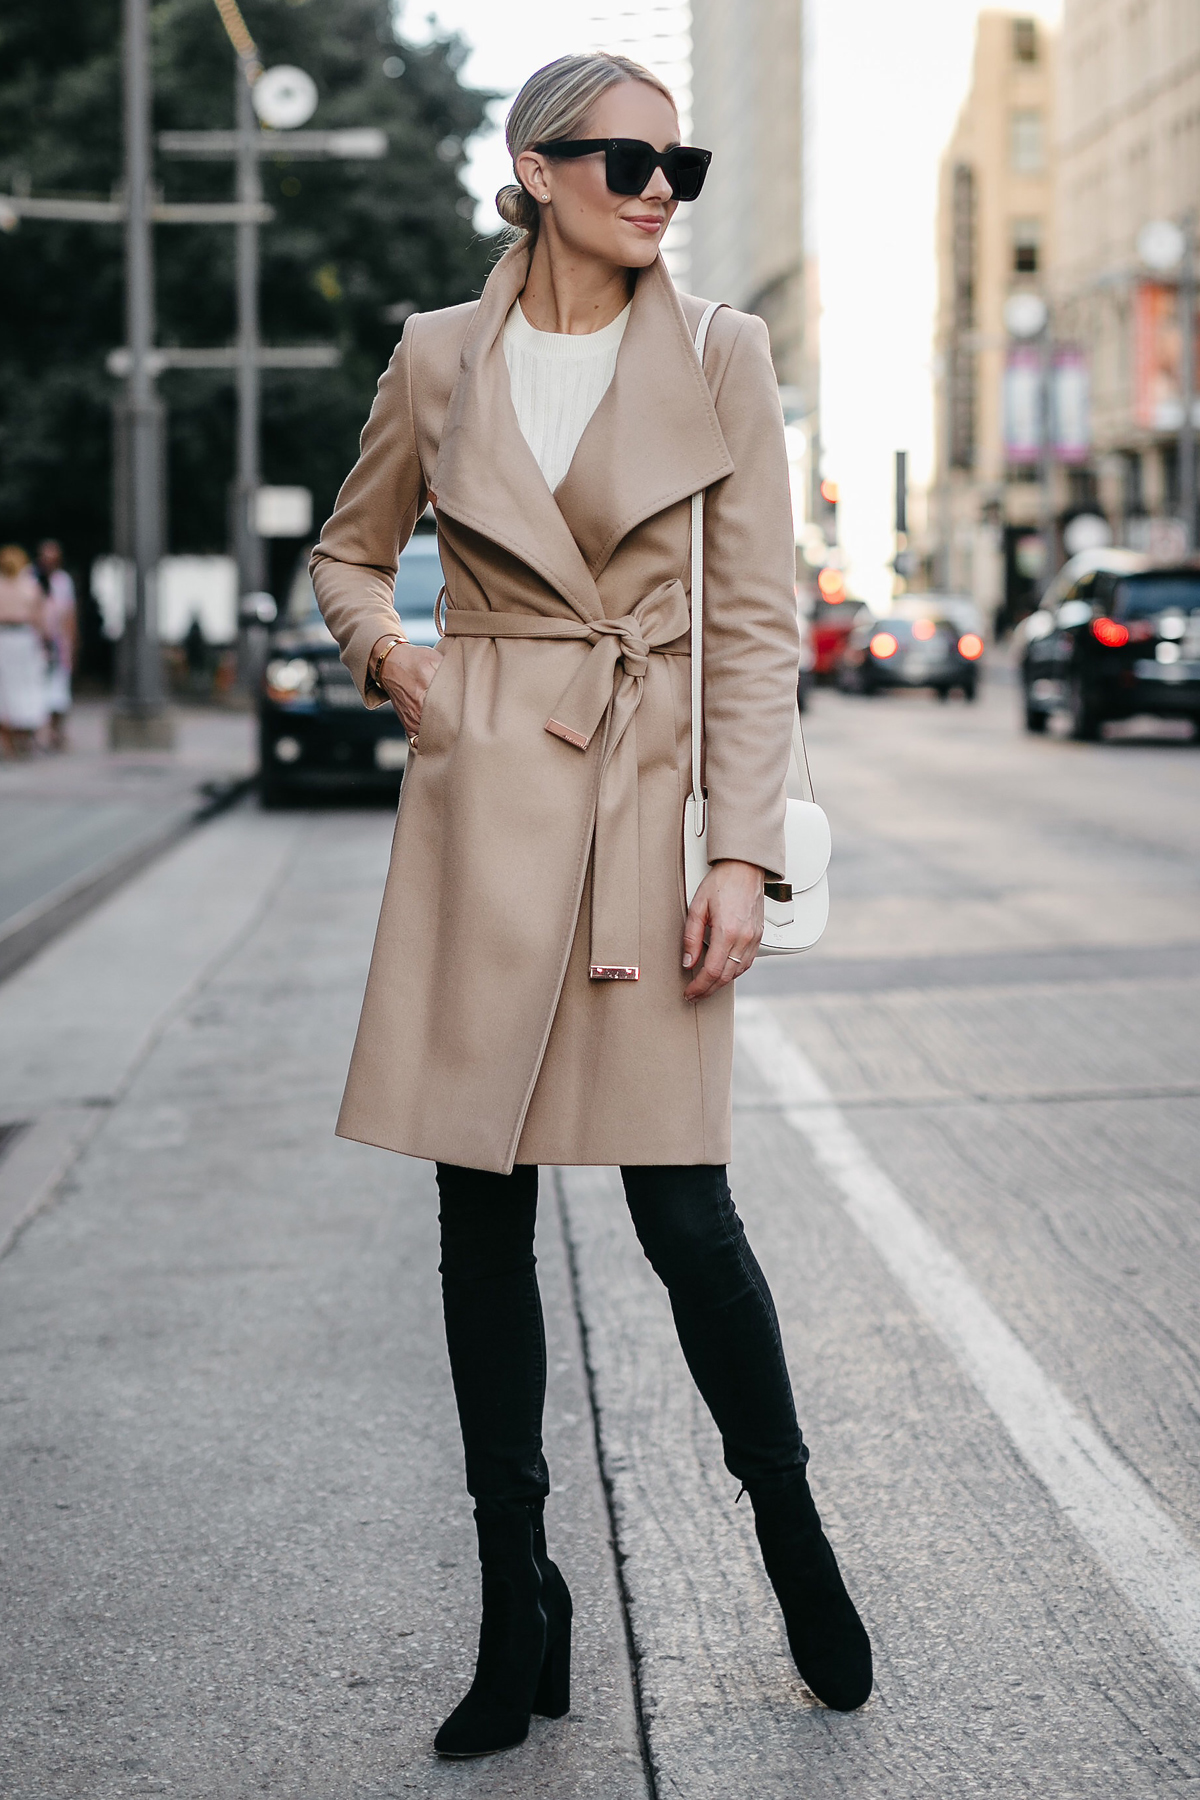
[(644, 222)]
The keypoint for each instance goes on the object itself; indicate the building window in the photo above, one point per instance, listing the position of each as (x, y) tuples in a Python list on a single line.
[(1025, 44), (1027, 149), (1133, 500), (1026, 246)]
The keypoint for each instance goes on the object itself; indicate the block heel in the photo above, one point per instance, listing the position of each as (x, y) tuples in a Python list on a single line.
[(552, 1700)]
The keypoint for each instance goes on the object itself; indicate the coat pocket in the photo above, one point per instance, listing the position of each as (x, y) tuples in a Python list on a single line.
[(441, 715)]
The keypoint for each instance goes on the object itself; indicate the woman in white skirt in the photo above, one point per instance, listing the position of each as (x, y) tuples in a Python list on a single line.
[(22, 653), (60, 628)]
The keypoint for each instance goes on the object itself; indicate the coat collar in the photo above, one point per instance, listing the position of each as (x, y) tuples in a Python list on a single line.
[(654, 439)]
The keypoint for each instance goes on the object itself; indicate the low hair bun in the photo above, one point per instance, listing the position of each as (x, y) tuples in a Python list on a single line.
[(517, 208)]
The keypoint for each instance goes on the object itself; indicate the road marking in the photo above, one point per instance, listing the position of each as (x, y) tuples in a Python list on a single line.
[(1146, 1554)]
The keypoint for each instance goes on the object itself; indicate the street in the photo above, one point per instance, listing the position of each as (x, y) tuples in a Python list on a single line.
[(238, 1555)]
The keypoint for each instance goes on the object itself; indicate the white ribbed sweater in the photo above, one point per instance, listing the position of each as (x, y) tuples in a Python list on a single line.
[(558, 380)]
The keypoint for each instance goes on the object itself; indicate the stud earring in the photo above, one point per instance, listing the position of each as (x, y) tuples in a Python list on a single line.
[(545, 196)]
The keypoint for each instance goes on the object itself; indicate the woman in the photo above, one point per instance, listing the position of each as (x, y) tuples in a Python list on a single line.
[(22, 653), (526, 1002), (61, 626)]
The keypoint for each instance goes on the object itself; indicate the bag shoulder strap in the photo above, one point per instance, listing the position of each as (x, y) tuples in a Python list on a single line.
[(698, 598), (799, 752)]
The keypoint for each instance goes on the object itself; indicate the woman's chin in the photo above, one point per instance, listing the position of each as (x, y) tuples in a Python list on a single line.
[(639, 248)]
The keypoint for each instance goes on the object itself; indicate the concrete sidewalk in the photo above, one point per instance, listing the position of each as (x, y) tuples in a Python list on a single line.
[(73, 825), (238, 1554)]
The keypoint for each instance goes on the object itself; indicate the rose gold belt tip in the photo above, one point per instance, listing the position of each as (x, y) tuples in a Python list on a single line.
[(614, 972), (575, 738)]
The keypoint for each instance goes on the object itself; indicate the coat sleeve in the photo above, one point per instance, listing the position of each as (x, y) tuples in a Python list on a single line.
[(353, 566), (751, 634)]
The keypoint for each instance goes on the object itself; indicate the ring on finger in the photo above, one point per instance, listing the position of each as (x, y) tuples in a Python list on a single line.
[(732, 958)]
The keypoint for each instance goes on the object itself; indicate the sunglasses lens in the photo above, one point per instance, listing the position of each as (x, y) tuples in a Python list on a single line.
[(628, 166), (685, 171)]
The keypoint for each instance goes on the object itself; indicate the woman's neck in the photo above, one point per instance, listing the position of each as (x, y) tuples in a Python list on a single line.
[(573, 294)]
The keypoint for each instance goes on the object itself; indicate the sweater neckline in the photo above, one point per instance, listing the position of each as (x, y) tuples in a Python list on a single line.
[(565, 344)]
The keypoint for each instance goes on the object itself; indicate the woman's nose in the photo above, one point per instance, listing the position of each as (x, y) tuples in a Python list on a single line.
[(657, 188)]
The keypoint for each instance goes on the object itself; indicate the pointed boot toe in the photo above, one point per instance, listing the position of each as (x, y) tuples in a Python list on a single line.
[(828, 1640)]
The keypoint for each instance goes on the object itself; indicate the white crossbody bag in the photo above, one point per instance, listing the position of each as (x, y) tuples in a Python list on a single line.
[(797, 907)]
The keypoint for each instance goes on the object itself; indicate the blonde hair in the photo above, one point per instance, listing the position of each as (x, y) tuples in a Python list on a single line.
[(554, 103), (12, 560)]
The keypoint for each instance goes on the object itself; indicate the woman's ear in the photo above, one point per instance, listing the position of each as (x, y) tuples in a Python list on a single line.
[(532, 173)]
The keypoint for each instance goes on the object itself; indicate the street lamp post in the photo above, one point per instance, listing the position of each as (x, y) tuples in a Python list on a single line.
[(248, 545), (139, 718), (1187, 382), (1027, 317), (1046, 525), (1170, 248)]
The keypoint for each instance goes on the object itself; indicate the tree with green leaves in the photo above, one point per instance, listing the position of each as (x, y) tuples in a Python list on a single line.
[(354, 247)]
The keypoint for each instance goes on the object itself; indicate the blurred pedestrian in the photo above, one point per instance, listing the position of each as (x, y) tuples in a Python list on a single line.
[(22, 653), (61, 627), (526, 1003)]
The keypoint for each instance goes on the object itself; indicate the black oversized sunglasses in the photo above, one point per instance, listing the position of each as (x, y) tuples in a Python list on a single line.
[(629, 163)]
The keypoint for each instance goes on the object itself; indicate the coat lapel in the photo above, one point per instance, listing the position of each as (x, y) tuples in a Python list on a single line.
[(654, 439), (486, 476)]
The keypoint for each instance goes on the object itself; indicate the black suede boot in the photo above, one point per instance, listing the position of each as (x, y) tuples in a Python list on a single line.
[(828, 1639), (524, 1637)]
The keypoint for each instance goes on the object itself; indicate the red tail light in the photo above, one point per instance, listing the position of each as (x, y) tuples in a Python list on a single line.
[(970, 646), (884, 644), (1109, 633)]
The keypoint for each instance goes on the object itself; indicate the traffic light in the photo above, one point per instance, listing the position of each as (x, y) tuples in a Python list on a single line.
[(827, 505)]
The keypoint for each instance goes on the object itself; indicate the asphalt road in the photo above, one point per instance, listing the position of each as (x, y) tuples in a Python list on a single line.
[(237, 1558)]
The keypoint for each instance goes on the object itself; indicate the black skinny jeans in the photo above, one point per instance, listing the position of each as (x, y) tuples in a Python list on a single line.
[(694, 1240)]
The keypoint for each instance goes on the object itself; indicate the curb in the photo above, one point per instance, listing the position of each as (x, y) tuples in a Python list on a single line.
[(36, 925)]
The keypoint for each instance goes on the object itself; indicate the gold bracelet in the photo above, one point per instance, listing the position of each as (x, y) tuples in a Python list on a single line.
[(380, 660)]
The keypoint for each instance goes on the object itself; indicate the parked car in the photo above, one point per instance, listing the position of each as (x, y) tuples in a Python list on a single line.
[(315, 734), (1113, 642), (924, 641), (832, 623), (804, 680), (1088, 562)]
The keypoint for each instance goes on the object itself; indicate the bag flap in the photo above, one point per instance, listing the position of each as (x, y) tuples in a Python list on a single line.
[(806, 831)]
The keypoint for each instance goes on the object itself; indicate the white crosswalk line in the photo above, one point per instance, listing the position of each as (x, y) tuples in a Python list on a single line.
[(1145, 1552)]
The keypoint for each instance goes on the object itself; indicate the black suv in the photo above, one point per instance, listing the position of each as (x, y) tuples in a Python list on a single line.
[(1113, 645), (315, 734)]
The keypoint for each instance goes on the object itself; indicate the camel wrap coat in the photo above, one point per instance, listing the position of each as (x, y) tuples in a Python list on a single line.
[(525, 998)]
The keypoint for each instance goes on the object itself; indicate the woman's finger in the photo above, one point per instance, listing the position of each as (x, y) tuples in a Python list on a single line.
[(693, 929)]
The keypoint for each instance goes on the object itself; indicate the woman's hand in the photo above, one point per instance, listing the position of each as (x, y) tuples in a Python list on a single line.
[(729, 907), (405, 678)]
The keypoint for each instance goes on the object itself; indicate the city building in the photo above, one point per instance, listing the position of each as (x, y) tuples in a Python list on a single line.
[(657, 34), (748, 241), (752, 229), (995, 239), (1128, 154), (738, 70)]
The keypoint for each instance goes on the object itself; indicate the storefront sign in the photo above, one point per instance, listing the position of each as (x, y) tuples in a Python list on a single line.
[(1023, 404), (1158, 404), (1072, 405)]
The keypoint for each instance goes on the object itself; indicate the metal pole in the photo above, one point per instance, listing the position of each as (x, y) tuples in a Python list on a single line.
[(1187, 382), (247, 543), (139, 717), (1046, 529), (900, 560)]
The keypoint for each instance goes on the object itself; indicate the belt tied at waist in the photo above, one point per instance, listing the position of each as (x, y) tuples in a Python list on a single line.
[(606, 689)]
